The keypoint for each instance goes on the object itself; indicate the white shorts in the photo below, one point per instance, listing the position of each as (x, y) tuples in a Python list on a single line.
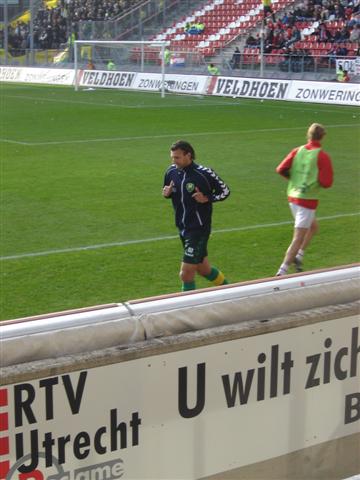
[(304, 217)]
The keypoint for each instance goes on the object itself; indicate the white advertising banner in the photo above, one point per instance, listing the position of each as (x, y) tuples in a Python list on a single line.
[(51, 76), (249, 88), (189, 84), (324, 92), (48, 76), (268, 89), (187, 414)]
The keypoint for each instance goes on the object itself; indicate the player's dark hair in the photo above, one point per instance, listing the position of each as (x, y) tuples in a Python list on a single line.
[(184, 146)]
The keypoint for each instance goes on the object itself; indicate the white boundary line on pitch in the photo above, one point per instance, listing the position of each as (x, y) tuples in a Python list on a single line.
[(119, 105), (158, 239), (210, 102), (168, 135)]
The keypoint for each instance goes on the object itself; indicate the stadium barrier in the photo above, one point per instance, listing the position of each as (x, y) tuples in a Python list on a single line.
[(253, 380), (235, 87), (123, 324)]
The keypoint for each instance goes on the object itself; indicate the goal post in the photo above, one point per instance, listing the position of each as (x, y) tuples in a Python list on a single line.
[(124, 56)]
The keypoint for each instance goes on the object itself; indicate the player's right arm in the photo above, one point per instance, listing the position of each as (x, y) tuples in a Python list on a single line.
[(284, 167), (168, 186)]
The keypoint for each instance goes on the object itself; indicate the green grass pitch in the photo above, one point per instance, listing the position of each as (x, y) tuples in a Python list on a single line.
[(83, 221)]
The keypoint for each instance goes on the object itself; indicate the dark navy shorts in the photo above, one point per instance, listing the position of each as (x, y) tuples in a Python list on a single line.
[(195, 247)]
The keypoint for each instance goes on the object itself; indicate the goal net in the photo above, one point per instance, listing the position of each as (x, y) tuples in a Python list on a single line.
[(119, 58)]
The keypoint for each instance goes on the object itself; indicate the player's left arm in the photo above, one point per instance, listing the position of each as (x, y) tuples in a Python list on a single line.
[(219, 190)]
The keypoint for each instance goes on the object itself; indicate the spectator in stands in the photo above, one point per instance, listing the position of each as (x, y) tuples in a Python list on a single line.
[(355, 34), (340, 74), (343, 35), (267, 9), (342, 51), (167, 56), (323, 33), (346, 77), (90, 65), (303, 11), (295, 36), (309, 62), (200, 27), (235, 61), (71, 41), (317, 13), (332, 54), (288, 19), (354, 19), (251, 41), (278, 39), (293, 60), (187, 27), (111, 65), (213, 69), (338, 12), (269, 27)]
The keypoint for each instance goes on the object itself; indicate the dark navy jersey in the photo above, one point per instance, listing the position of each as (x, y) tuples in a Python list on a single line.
[(190, 215)]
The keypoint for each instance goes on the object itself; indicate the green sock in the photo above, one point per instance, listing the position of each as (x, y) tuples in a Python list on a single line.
[(216, 277), (186, 286)]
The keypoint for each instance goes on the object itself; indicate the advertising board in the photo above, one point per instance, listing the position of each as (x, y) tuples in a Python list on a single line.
[(52, 76), (189, 84), (107, 79), (186, 414), (235, 87), (325, 92), (249, 88)]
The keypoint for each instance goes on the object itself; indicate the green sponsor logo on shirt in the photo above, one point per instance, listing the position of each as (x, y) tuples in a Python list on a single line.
[(190, 187)]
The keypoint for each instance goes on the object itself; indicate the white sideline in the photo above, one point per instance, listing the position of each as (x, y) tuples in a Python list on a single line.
[(210, 102), (118, 105), (158, 239), (168, 135)]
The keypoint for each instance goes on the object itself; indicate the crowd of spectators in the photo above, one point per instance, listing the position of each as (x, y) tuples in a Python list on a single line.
[(50, 31), (54, 26), (284, 33), (77, 10)]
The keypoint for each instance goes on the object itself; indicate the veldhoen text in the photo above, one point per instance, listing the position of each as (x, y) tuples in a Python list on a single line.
[(251, 88), (108, 79)]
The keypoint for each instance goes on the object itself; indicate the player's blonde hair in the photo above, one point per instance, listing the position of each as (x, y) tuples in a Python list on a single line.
[(316, 131)]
